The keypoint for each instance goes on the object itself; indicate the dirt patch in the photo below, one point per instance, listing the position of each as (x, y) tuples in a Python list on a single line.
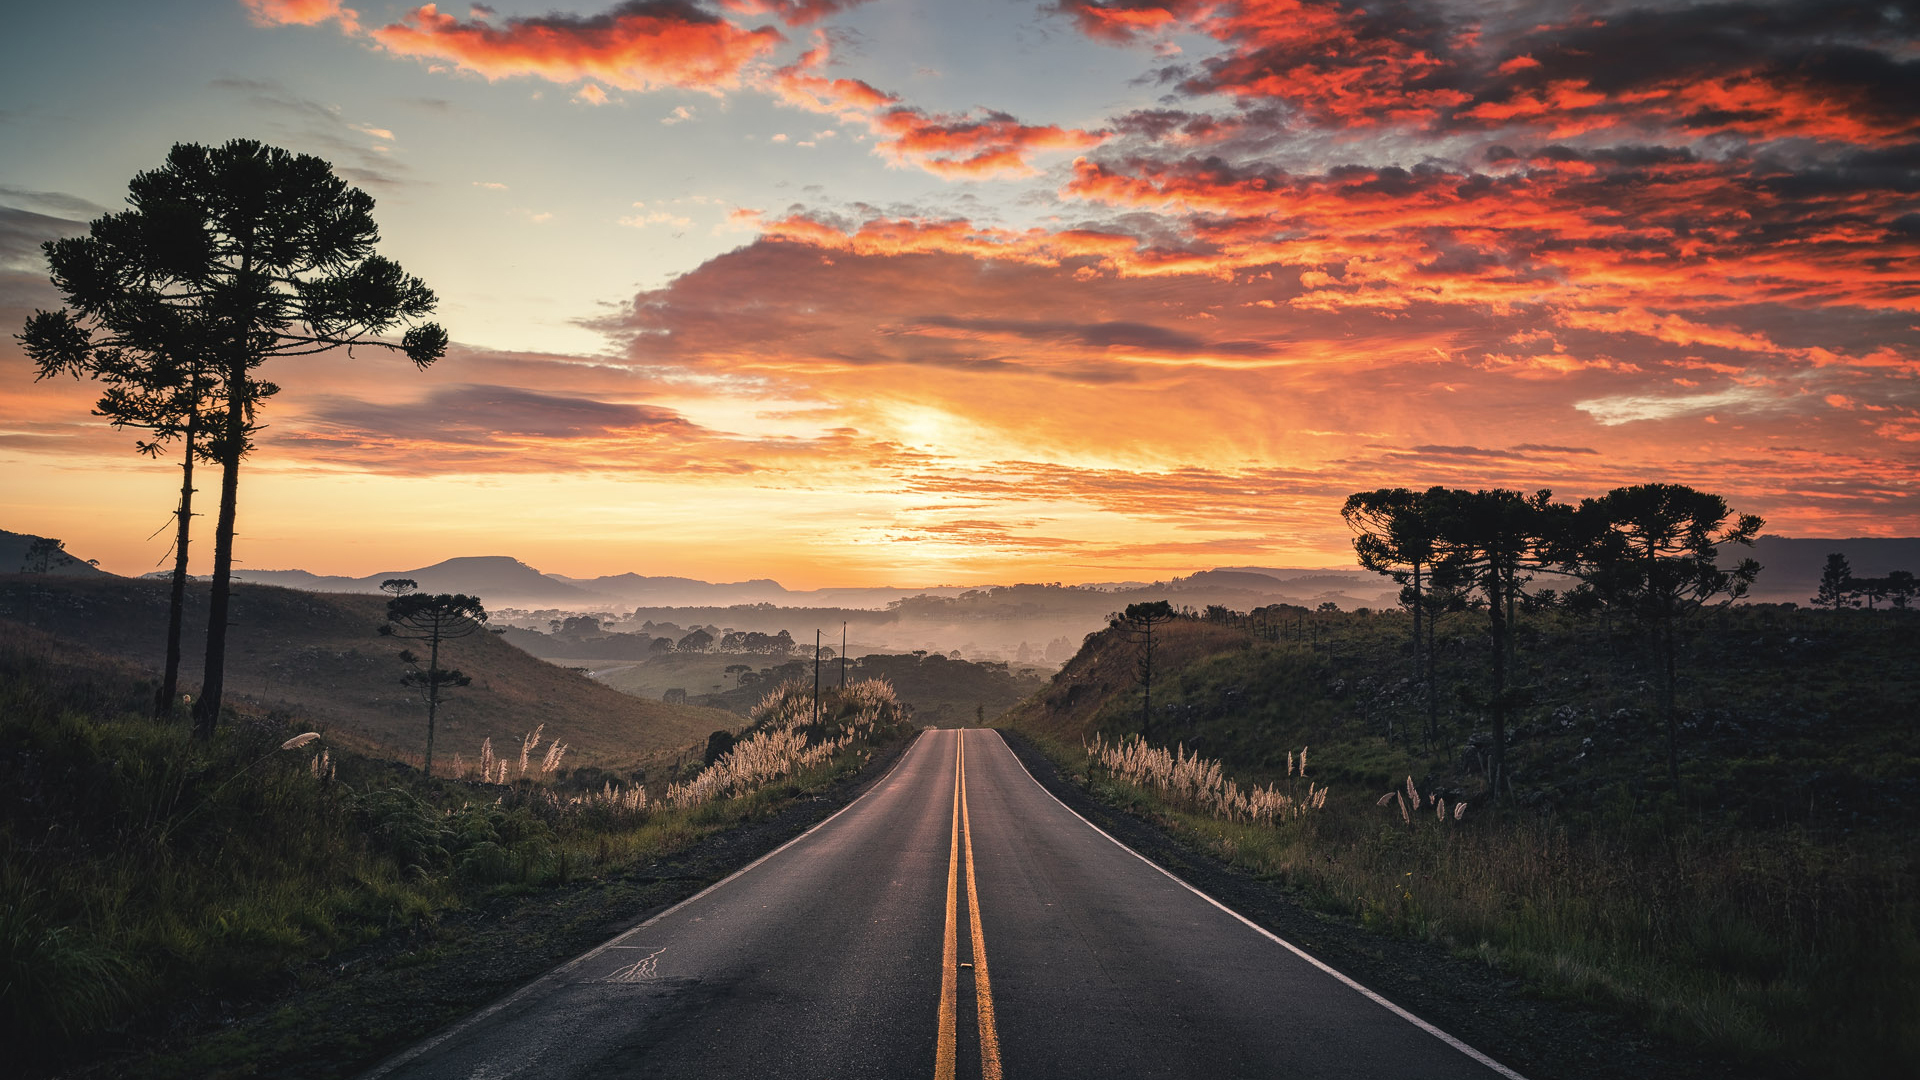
[(1497, 1014), (342, 1016)]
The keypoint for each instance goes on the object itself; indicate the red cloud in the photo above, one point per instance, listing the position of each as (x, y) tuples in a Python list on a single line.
[(791, 12), (302, 13), (1123, 21), (968, 146), (636, 46), (798, 85)]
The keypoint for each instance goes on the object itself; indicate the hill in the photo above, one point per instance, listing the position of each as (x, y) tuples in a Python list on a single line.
[(320, 655), (13, 558), (1761, 906)]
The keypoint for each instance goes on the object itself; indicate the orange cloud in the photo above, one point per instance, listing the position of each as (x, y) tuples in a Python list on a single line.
[(989, 144), (302, 13), (640, 45)]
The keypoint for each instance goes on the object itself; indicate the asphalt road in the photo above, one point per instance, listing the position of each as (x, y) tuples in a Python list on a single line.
[(939, 929)]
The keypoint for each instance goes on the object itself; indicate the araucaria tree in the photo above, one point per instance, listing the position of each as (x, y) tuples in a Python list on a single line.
[(1142, 621), (1836, 584), (263, 254), (1656, 546), (1394, 535), (433, 620), (125, 329), (1491, 543)]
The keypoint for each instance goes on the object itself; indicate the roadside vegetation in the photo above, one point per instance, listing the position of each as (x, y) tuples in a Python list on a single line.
[(1745, 887), (146, 875)]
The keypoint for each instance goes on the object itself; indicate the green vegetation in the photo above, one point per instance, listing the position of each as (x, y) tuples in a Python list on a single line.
[(1763, 906), (145, 874), (321, 656)]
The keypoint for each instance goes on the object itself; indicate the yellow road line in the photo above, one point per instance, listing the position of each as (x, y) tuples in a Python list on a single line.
[(982, 986), (943, 1057)]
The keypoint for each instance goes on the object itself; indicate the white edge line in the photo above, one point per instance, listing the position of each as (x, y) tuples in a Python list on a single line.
[(1276, 939), (432, 1041)]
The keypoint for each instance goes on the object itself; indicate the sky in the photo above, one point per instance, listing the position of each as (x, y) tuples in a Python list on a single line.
[(885, 292)]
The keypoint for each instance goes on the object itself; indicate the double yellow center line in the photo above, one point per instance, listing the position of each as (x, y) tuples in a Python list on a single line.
[(944, 1055)]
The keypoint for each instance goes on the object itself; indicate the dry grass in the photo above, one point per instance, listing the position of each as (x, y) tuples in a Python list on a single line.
[(1198, 783), (792, 732)]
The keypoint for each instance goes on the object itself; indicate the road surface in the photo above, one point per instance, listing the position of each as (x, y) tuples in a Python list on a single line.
[(956, 921)]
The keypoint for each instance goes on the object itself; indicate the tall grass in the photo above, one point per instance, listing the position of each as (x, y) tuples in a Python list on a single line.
[(792, 732), (1201, 784), (1786, 951)]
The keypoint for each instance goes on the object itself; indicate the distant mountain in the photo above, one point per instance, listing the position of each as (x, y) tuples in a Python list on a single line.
[(498, 580), (13, 558), (1792, 573)]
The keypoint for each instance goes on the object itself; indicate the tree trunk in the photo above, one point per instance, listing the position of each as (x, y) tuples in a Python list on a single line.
[(170, 679), (433, 695), (1666, 706), (1500, 631), (206, 711)]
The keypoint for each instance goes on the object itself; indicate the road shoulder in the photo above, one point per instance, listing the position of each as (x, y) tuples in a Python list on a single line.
[(1497, 1014)]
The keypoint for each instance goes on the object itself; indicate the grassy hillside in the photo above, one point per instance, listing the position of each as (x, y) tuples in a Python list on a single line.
[(321, 655), (152, 885), (1763, 907)]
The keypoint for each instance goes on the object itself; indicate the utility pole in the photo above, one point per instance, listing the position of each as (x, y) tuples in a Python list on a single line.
[(843, 654), (816, 676)]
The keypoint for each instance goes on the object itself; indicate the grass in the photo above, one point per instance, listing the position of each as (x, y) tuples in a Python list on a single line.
[(145, 876), (1763, 910)]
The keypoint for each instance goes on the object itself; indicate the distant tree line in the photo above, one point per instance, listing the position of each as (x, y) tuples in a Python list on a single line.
[(1840, 589), (1647, 555)]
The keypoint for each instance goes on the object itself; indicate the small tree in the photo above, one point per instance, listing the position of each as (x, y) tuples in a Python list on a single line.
[(1900, 588), (1141, 621), (696, 641), (434, 620), (1836, 584)]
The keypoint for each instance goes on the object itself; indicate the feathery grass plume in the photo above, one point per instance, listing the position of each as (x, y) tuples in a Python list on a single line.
[(555, 751), (299, 741), (1289, 763), (1459, 808), (1385, 799), (1303, 761), (322, 766), (1413, 793), (1404, 816), (781, 740), (459, 765), (527, 745), (486, 760), (1197, 781), (1439, 808)]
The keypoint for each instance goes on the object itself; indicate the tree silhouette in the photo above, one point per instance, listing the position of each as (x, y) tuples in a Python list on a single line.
[(1489, 542), (43, 554), (1395, 537), (124, 329), (1836, 584), (1900, 588), (1141, 621), (434, 620), (1655, 547), (248, 253)]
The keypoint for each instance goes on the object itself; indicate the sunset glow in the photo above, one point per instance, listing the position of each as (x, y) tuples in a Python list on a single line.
[(857, 293)]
